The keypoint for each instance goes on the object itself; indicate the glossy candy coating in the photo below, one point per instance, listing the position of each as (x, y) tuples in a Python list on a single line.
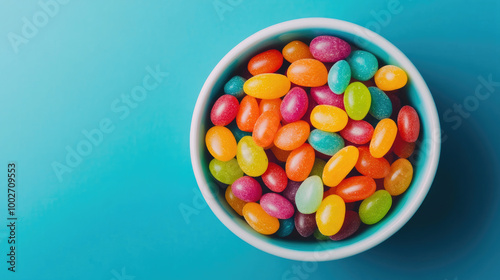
[(221, 143), (280, 154), (375, 207), (399, 178), (247, 114), (402, 148), (357, 132), (383, 137), (408, 124), (390, 77), (355, 188), (300, 163), (329, 48), (291, 136), (309, 195), (270, 105), (266, 62), (225, 171), (305, 224), (324, 96), (363, 64), (235, 203), (251, 158), (234, 86), (330, 215), (247, 189), (327, 143), (368, 165), (275, 178), (350, 226), (296, 50), (286, 227), (267, 86), (381, 106), (277, 206), (291, 190), (339, 76), (357, 100), (265, 128), (318, 167), (308, 73), (224, 110), (294, 105), (328, 118), (337, 168), (259, 220)]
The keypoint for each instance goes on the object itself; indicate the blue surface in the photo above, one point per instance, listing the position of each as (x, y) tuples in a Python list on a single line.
[(118, 212)]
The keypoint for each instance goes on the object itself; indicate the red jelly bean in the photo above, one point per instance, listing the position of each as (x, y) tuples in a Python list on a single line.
[(265, 128), (224, 110), (247, 114), (370, 166), (275, 178), (325, 96), (267, 62), (350, 226), (408, 124), (355, 188), (300, 163), (357, 132), (402, 148)]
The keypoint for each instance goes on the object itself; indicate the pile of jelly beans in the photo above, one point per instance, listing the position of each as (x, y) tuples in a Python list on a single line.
[(314, 140)]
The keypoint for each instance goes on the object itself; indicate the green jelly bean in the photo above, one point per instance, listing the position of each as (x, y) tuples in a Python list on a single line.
[(319, 236), (381, 107), (357, 100), (375, 207), (318, 167), (225, 171), (251, 158), (309, 195)]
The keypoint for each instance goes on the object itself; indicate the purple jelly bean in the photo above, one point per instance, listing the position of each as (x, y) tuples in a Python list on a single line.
[(350, 226), (324, 96), (277, 206), (291, 190), (329, 48), (305, 223), (247, 189), (294, 105)]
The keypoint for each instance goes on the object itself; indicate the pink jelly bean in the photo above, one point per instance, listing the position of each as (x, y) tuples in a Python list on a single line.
[(408, 124), (277, 206), (350, 226), (357, 132), (329, 48), (305, 223), (247, 189), (294, 105), (224, 110), (275, 178), (291, 190), (324, 96)]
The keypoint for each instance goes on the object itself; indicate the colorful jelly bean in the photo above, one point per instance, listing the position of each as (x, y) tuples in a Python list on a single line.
[(363, 64), (399, 178), (408, 124), (383, 137), (237, 132), (259, 220), (280, 154), (225, 171), (291, 136), (328, 143), (224, 110), (286, 227), (368, 165), (277, 206), (247, 189), (247, 114), (235, 203), (318, 167), (275, 178), (234, 87), (402, 148), (357, 132), (328, 118), (339, 76), (319, 236), (337, 168), (291, 190), (350, 226), (251, 158), (355, 188), (309, 195), (300, 163), (265, 128), (330, 215), (221, 143), (305, 223), (381, 106), (294, 105), (375, 207), (296, 50), (270, 105), (390, 77), (357, 100), (396, 105), (308, 73), (329, 48), (267, 86), (324, 96), (266, 62)]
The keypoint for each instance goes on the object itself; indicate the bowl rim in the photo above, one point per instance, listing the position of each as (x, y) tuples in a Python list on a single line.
[(401, 218)]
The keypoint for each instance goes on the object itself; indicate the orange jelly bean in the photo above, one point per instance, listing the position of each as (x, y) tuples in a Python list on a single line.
[(356, 188), (267, 86), (300, 163), (339, 165), (259, 220), (296, 50), (235, 203), (280, 154), (390, 77), (267, 62), (265, 129), (308, 73), (270, 105), (291, 136), (247, 114), (383, 137), (328, 118), (399, 179), (368, 165), (221, 143)]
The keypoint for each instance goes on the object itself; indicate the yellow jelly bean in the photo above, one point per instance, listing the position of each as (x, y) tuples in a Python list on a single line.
[(267, 86), (251, 158), (221, 143), (330, 215), (328, 118), (390, 77), (337, 168), (259, 220), (383, 137), (399, 177)]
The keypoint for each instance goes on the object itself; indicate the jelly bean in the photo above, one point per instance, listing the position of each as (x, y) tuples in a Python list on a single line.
[(396, 105), (307, 72), (300, 163), (259, 220), (221, 143), (266, 62), (235, 203), (267, 86), (327, 143), (402, 148), (337, 168), (330, 215), (328, 118), (381, 106), (286, 227), (237, 132), (251, 158), (363, 64), (390, 77), (225, 171), (375, 207), (280, 154), (270, 105), (247, 114), (350, 226), (247, 189), (277, 206), (296, 50), (275, 178), (324, 96), (318, 167), (370, 166), (355, 188), (265, 128), (357, 100), (224, 110), (357, 132), (291, 136), (305, 224), (319, 236), (399, 179), (339, 76), (408, 124), (310, 107), (329, 48), (294, 105), (309, 195), (235, 86), (291, 190), (383, 137)]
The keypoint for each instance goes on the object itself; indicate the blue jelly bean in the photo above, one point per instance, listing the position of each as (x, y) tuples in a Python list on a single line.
[(381, 106), (235, 86), (328, 143), (339, 76), (238, 133), (363, 64), (286, 227)]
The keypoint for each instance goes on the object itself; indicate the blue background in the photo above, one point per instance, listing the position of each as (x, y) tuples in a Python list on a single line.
[(118, 213)]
